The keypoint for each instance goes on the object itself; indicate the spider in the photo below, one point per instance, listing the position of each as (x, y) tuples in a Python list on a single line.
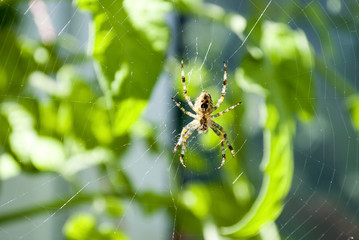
[(203, 107)]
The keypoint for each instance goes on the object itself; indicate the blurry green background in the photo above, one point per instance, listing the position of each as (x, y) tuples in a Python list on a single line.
[(87, 125)]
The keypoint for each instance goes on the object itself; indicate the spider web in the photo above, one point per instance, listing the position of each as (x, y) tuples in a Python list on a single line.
[(323, 200)]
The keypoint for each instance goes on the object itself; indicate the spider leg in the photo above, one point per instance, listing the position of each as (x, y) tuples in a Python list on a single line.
[(185, 134), (188, 129), (219, 134), (185, 89), (180, 107), (227, 110), (223, 154), (219, 129), (182, 152), (223, 88)]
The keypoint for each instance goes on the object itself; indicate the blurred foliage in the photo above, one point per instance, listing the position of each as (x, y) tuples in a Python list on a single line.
[(55, 119), (83, 227), (15, 68), (353, 105)]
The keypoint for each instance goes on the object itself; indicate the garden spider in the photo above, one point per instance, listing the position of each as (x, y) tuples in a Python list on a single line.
[(203, 108)]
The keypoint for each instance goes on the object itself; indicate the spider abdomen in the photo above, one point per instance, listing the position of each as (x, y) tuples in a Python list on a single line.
[(203, 127)]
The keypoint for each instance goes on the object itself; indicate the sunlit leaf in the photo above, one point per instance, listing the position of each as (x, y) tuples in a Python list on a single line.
[(353, 105), (114, 206), (45, 153), (80, 226), (287, 64), (129, 55), (196, 198), (282, 73), (130, 40), (110, 233), (100, 124), (233, 21), (270, 232), (128, 112), (8, 166), (83, 226), (277, 165), (84, 159)]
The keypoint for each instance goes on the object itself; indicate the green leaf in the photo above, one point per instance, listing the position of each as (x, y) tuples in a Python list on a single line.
[(127, 113), (281, 71), (8, 166), (152, 201), (85, 159), (284, 60), (129, 43), (196, 198), (130, 39), (292, 61), (14, 68), (353, 105), (9, 14), (213, 12), (83, 226), (80, 226), (45, 153), (270, 232), (114, 206), (75, 104), (277, 165), (222, 208)]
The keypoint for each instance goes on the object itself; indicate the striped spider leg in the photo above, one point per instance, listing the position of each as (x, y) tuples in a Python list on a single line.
[(185, 134), (185, 89), (223, 88), (221, 133), (227, 110)]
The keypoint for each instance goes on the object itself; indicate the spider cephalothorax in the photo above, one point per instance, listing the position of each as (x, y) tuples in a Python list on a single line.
[(203, 108)]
